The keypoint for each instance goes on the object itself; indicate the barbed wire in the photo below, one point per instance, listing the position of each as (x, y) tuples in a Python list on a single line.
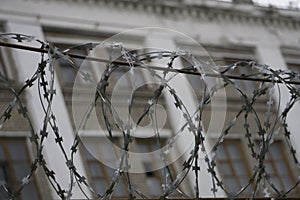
[(183, 71), (268, 129)]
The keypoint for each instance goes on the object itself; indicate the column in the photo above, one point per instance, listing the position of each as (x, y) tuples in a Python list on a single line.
[(164, 39), (26, 64), (270, 54)]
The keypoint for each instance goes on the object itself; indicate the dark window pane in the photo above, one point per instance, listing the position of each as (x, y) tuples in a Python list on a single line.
[(15, 167), (1, 69), (3, 196), (100, 185), (95, 169), (224, 168), (147, 166), (29, 192), (2, 155), (239, 168), (88, 155), (3, 172), (275, 151), (2, 66), (91, 151), (244, 181), (234, 151), (282, 167), (118, 77), (21, 170), (17, 150), (139, 76), (68, 73), (143, 148), (276, 182), (110, 172), (269, 168), (221, 153), (287, 182), (120, 190), (232, 168), (106, 151), (154, 186), (232, 184), (196, 83)]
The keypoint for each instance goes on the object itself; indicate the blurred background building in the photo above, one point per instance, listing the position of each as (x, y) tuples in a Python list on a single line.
[(228, 31)]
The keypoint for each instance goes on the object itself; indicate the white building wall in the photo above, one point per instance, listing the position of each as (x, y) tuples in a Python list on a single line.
[(223, 28), (26, 63)]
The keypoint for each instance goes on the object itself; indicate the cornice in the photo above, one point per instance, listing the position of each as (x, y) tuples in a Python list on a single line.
[(212, 12), (203, 11)]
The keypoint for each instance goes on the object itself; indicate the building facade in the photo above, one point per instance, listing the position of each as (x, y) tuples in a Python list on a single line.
[(228, 31)]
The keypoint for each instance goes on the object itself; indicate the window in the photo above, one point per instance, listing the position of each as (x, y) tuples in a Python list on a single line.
[(232, 165), (195, 81), (295, 67), (1, 59), (277, 167), (2, 67), (223, 56), (100, 175), (235, 169), (127, 81), (64, 38), (117, 75), (66, 72), (292, 60), (14, 166), (244, 85), (217, 57), (153, 178)]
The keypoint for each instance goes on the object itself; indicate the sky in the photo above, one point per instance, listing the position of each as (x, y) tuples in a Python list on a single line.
[(278, 3)]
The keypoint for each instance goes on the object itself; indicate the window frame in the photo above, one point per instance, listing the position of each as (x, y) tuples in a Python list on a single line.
[(286, 161), (2, 66), (134, 147), (250, 161), (104, 169), (291, 57), (10, 163), (231, 161)]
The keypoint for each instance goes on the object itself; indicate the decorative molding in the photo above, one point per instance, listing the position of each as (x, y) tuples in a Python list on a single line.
[(2, 29), (202, 10), (220, 11), (291, 55)]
